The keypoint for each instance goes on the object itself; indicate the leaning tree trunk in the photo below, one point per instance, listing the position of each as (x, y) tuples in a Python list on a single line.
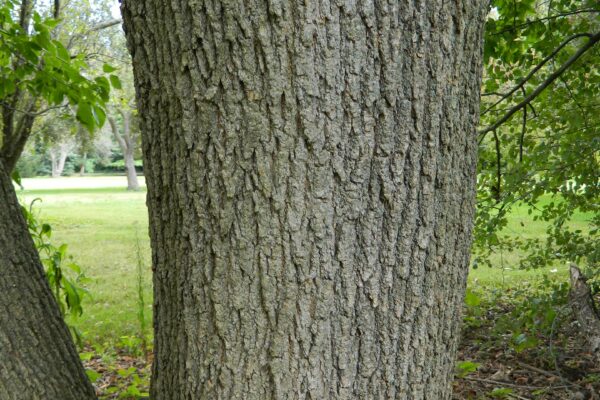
[(37, 358), (127, 142), (132, 179), (311, 182)]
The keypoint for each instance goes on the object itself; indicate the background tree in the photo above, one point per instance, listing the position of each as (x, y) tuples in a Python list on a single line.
[(123, 117), (56, 132), (126, 134), (311, 177)]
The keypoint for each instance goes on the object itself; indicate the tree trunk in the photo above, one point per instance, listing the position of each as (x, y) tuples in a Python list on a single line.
[(82, 166), (127, 143), (62, 160), (54, 163), (132, 180), (37, 357), (584, 307), (311, 185), (58, 160)]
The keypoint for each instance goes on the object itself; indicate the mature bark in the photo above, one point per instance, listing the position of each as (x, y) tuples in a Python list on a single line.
[(584, 307), (37, 356), (18, 110), (127, 141), (311, 170), (16, 128)]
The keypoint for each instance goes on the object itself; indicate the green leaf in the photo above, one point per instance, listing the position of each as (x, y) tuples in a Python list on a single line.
[(61, 51), (16, 177), (107, 68), (62, 250), (46, 230), (44, 40), (93, 375), (501, 393), (115, 82), (99, 115), (472, 299), (466, 367), (74, 267), (86, 116)]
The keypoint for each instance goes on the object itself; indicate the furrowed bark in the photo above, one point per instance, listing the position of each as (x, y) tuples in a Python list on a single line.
[(38, 360), (582, 303), (311, 183)]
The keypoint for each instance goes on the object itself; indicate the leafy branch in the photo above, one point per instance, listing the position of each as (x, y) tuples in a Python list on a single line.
[(593, 39)]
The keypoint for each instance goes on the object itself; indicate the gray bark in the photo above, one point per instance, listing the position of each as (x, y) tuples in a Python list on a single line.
[(584, 307), (127, 141), (310, 169), (58, 157), (37, 358), (82, 166)]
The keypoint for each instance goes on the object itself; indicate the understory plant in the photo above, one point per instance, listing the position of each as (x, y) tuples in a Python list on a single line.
[(65, 276)]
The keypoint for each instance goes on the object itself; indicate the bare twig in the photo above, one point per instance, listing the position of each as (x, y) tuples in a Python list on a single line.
[(513, 385), (516, 396), (547, 373)]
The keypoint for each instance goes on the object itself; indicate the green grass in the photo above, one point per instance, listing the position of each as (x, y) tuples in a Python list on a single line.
[(506, 271), (99, 225)]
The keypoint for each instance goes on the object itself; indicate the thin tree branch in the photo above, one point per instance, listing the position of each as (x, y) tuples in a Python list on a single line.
[(536, 69), (523, 129), (116, 134), (56, 9), (103, 25), (550, 17), (498, 168), (493, 94), (30, 113), (25, 14), (95, 28), (591, 42)]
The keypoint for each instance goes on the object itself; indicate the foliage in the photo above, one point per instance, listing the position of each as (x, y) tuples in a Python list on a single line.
[(546, 155), (64, 276), (119, 165), (466, 367), (120, 374), (501, 393), (528, 313), (33, 164), (132, 384), (36, 63)]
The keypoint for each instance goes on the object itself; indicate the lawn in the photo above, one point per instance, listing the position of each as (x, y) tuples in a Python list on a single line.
[(101, 221)]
